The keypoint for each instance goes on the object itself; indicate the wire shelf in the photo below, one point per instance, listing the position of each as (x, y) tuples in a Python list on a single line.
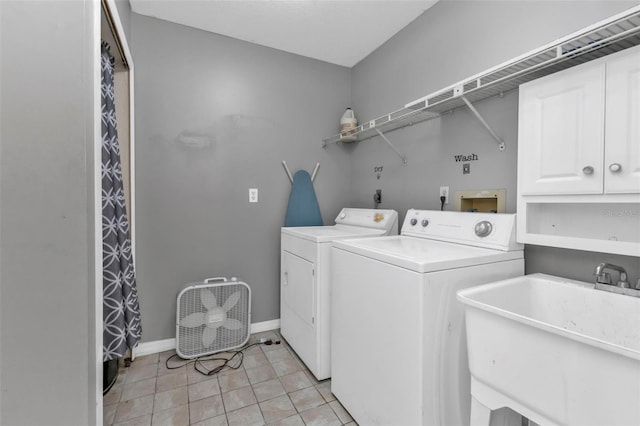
[(610, 36), (622, 32)]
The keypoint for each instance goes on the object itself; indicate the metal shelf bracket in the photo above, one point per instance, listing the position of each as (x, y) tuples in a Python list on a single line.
[(402, 157), (481, 119)]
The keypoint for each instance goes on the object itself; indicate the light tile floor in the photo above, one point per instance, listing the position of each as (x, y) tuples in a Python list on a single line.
[(271, 387)]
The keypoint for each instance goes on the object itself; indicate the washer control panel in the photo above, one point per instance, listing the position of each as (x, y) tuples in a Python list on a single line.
[(491, 230)]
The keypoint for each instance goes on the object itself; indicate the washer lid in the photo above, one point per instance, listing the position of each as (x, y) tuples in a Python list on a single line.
[(423, 255), (323, 234)]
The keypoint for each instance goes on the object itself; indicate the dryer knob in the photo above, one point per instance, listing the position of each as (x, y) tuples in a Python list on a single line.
[(343, 215), (414, 221), (483, 228), (425, 222)]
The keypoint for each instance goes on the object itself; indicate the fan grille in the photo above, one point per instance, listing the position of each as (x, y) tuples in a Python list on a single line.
[(189, 340)]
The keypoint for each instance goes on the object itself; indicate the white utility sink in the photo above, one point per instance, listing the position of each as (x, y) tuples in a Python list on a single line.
[(555, 350)]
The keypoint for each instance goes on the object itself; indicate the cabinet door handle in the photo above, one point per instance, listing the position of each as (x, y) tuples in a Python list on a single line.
[(587, 170), (615, 168)]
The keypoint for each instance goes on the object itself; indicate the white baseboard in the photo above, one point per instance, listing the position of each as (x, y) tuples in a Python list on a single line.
[(157, 346), (259, 327), (154, 347)]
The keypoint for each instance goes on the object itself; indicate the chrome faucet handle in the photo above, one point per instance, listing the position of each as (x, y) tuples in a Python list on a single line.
[(622, 281), (603, 278)]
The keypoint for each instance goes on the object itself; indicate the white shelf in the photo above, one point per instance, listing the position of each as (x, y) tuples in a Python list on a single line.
[(400, 118), (604, 38), (612, 35)]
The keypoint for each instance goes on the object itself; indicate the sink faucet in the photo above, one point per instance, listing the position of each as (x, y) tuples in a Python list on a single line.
[(605, 278)]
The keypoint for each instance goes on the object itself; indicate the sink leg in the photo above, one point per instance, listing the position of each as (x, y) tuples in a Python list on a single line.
[(480, 414)]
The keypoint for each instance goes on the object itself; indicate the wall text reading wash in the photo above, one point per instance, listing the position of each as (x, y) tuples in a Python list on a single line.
[(464, 158)]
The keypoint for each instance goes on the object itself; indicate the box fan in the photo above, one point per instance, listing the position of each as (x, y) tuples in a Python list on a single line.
[(212, 316)]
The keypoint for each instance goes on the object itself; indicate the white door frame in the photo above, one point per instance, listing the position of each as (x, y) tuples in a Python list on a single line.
[(112, 14)]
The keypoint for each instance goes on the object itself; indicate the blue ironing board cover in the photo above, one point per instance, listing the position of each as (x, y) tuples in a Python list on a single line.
[(303, 208)]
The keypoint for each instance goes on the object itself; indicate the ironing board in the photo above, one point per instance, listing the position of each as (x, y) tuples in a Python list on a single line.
[(303, 208)]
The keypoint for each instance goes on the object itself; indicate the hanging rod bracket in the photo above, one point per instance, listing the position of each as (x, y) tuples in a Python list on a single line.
[(287, 171), (315, 172), (481, 119), (402, 157)]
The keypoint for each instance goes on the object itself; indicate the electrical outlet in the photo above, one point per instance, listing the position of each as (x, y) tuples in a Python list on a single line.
[(444, 192), (253, 195), (377, 197)]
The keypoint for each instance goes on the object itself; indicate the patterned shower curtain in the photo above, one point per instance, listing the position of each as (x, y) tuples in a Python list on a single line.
[(121, 312)]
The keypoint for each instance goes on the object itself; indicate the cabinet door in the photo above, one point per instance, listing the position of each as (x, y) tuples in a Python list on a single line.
[(622, 140), (561, 133)]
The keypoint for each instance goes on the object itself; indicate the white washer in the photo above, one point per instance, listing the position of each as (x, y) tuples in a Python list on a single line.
[(305, 286), (399, 353)]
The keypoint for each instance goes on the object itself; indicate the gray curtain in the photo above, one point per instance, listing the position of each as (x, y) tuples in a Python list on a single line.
[(121, 311)]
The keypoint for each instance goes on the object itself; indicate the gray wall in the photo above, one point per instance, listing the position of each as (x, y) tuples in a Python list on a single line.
[(214, 117), (124, 12), (451, 41), (47, 333)]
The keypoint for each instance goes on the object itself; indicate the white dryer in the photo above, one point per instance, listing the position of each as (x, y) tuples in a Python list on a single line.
[(399, 353), (305, 280)]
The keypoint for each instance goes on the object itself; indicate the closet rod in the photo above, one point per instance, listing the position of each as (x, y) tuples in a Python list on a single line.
[(116, 36)]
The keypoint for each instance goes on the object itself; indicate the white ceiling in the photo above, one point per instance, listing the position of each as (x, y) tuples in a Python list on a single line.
[(341, 32)]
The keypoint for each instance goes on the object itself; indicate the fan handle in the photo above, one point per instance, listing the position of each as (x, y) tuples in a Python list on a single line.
[(223, 279)]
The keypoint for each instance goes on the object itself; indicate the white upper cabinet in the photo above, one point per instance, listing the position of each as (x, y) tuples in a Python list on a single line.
[(579, 157), (622, 126), (579, 131)]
